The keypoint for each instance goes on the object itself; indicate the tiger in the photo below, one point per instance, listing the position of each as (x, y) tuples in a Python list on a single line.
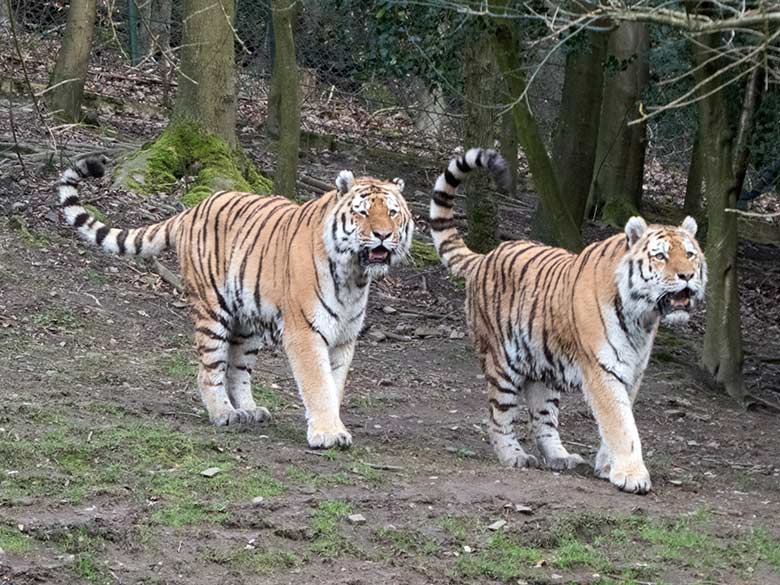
[(262, 271), (545, 320)]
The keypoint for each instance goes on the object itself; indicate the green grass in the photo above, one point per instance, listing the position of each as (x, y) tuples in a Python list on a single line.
[(406, 542), (268, 397), (180, 365), (160, 464), (326, 522), (259, 561), (457, 528), (317, 479), (57, 318), (502, 559), (85, 547), (13, 541)]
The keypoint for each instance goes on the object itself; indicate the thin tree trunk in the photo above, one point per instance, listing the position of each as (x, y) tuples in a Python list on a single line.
[(480, 76), (145, 39), (722, 355), (286, 83), (70, 71), (693, 186), (161, 38), (620, 156), (558, 226), (509, 149), (576, 134), (207, 84)]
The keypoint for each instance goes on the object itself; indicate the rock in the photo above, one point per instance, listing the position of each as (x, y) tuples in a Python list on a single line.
[(388, 310), (210, 472), (675, 413), (519, 508), (455, 334), (426, 332), (676, 482), (497, 525), (376, 335), (18, 206), (356, 519), (467, 549), (258, 500)]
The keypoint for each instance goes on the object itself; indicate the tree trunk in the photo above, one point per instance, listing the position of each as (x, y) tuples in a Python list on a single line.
[(509, 149), (576, 134), (479, 77), (161, 39), (722, 354), (557, 227), (693, 186), (207, 84), (285, 80), (70, 72), (620, 156)]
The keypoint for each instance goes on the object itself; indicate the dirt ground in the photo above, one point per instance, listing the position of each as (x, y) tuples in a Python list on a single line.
[(103, 443)]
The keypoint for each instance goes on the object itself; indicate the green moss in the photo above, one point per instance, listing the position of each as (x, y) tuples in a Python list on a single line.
[(423, 254), (617, 212), (185, 149)]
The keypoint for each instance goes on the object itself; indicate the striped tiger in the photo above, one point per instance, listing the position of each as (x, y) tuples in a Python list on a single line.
[(545, 320), (261, 271)]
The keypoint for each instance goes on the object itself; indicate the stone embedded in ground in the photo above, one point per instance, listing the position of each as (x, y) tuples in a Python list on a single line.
[(467, 549), (388, 310), (376, 335), (523, 509), (426, 332), (497, 525), (210, 472), (258, 500), (455, 334), (675, 482), (356, 519)]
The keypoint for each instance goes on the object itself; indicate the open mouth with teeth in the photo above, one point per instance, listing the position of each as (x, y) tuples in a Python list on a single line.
[(678, 301), (378, 255)]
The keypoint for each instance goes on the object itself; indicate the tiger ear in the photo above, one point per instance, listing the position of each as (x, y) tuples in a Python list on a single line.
[(635, 227), (400, 183), (689, 225), (344, 181)]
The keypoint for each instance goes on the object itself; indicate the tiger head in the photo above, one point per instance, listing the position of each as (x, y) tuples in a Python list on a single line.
[(373, 222), (664, 272)]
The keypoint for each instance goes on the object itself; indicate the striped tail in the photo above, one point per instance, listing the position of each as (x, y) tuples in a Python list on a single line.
[(145, 242), (449, 245)]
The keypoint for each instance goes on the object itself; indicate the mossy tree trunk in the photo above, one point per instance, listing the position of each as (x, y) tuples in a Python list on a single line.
[(480, 82), (620, 157), (287, 100), (509, 147), (722, 355), (201, 136), (556, 225), (207, 83), (576, 134), (694, 184), (66, 83)]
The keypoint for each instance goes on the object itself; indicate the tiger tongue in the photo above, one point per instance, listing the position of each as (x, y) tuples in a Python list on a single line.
[(377, 255)]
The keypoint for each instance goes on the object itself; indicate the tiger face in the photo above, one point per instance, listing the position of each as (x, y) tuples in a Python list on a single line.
[(375, 223), (665, 268)]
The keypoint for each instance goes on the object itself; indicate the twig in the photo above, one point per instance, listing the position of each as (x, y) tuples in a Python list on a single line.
[(752, 213), (16, 142)]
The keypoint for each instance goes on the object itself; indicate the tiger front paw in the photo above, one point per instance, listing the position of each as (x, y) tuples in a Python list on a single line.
[(633, 478), (517, 458), (325, 438), (564, 462), (242, 417)]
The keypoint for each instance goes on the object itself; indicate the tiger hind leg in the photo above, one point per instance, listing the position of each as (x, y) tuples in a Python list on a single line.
[(242, 356), (543, 403), (504, 409)]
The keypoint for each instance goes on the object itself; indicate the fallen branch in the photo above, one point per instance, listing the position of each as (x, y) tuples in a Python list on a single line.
[(753, 213), (166, 275)]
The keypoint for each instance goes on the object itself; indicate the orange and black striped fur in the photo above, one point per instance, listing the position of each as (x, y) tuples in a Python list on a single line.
[(545, 320), (260, 271)]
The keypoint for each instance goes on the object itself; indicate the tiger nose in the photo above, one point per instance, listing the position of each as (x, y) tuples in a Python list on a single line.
[(686, 276), (383, 234)]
